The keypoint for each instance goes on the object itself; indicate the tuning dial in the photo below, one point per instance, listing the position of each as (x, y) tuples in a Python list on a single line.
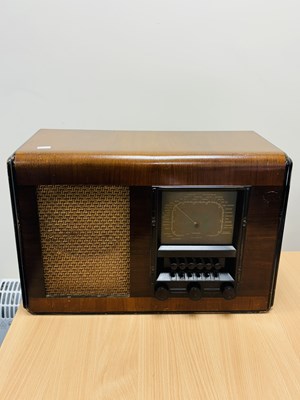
[(194, 292), (162, 292), (228, 292)]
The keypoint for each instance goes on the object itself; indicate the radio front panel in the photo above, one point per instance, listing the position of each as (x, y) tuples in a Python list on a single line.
[(109, 242)]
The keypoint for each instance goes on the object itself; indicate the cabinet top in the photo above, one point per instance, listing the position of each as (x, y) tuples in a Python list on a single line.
[(148, 158), (148, 143)]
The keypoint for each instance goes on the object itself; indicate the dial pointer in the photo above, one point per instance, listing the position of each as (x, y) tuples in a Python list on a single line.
[(196, 224)]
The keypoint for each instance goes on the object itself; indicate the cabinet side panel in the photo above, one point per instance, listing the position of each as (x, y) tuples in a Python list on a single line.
[(30, 241), (260, 241), (13, 196), (289, 166)]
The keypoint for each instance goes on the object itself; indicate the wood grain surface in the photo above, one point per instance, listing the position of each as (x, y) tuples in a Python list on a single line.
[(137, 143), (142, 160), (149, 158), (190, 356)]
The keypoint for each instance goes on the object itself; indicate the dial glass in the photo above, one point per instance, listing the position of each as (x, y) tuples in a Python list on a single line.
[(197, 216)]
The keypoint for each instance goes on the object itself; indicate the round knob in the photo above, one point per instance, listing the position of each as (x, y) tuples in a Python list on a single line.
[(228, 292), (194, 292), (162, 292)]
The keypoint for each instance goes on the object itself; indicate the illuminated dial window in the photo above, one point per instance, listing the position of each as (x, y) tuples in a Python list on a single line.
[(197, 216)]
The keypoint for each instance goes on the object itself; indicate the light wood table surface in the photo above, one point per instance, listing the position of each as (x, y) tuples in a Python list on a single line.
[(190, 356)]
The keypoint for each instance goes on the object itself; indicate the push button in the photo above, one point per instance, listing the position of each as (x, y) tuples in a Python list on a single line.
[(191, 263), (182, 263), (208, 264), (200, 264), (173, 263), (216, 263)]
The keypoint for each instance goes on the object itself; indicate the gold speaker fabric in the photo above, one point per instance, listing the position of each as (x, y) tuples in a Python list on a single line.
[(85, 239)]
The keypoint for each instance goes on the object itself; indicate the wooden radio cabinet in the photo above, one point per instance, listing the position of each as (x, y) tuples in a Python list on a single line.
[(126, 221)]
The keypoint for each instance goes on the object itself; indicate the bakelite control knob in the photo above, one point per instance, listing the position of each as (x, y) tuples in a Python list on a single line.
[(194, 292), (228, 292), (162, 292)]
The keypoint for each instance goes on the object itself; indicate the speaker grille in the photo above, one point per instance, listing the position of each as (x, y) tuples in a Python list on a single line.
[(85, 239)]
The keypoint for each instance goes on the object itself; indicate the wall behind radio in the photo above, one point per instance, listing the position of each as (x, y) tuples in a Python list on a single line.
[(159, 64)]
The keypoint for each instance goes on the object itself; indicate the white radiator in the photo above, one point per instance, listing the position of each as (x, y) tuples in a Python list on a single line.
[(10, 297)]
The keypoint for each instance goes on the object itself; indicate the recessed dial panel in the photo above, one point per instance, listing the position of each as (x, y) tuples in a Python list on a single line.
[(197, 216)]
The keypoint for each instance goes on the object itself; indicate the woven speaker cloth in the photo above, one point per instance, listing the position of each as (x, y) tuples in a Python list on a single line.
[(85, 239)]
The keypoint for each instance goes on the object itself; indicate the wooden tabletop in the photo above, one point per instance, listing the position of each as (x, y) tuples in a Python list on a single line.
[(190, 356)]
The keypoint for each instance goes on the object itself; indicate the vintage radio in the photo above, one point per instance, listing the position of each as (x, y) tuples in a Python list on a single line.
[(112, 221)]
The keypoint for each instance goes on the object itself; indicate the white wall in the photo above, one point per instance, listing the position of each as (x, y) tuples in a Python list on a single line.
[(136, 64)]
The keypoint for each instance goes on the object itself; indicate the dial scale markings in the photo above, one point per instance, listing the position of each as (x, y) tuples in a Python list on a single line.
[(198, 216)]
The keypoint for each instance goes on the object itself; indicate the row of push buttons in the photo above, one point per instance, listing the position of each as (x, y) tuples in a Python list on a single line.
[(197, 275), (195, 263), (194, 276)]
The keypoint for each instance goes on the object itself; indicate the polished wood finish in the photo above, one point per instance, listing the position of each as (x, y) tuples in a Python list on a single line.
[(149, 158), (140, 241), (202, 356), (28, 222), (129, 144), (261, 241), (145, 304), (142, 160)]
